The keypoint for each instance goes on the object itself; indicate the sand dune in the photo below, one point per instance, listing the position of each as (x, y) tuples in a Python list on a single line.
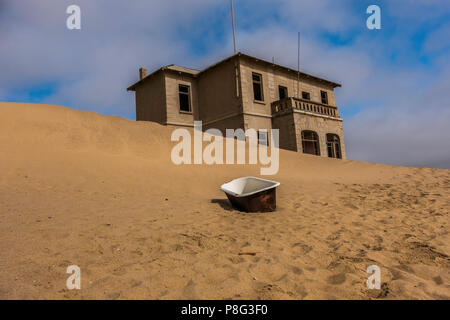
[(101, 192)]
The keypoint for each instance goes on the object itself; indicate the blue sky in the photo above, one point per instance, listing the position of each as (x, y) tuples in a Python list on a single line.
[(395, 91)]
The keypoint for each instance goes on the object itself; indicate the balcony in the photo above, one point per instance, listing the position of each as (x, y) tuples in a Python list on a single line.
[(307, 106)]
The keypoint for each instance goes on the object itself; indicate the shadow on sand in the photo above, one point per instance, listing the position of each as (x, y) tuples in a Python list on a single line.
[(224, 203)]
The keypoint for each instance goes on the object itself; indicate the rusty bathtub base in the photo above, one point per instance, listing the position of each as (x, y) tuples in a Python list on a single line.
[(264, 201)]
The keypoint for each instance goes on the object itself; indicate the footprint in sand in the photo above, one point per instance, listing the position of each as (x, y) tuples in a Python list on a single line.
[(336, 279), (351, 206), (135, 283), (120, 271), (189, 291), (438, 280), (304, 249), (396, 275), (296, 270), (272, 291), (113, 295), (379, 294)]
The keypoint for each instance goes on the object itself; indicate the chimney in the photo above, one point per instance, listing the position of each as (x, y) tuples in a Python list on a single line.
[(142, 73)]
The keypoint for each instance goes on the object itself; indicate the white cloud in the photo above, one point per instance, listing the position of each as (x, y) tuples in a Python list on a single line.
[(315, 16), (92, 66)]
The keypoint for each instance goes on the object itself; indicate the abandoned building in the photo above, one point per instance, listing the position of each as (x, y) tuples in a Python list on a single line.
[(244, 92)]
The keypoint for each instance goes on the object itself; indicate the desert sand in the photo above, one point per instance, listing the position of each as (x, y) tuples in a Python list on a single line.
[(100, 192)]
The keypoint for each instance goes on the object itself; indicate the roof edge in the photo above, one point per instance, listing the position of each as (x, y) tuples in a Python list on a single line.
[(239, 54), (306, 75), (162, 69)]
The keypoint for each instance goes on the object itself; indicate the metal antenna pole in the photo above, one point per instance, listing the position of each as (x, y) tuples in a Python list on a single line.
[(232, 21), (298, 67)]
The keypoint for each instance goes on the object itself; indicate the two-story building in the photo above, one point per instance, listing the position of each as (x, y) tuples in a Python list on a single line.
[(242, 91)]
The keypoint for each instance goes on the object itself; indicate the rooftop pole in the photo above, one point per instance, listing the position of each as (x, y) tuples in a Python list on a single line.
[(298, 66), (232, 21)]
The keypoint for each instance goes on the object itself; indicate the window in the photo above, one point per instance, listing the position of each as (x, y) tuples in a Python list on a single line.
[(324, 96), (306, 95), (262, 137), (282, 92), (185, 98), (257, 87), (334, 146), (310, 142)]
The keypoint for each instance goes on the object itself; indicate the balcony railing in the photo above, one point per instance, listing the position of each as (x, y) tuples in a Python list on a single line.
[(291, 103)]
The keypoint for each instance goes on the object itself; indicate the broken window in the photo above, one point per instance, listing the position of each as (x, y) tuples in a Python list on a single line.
[(306, 95), (282, 92), (324, 96), (310, 142), (333, 146), (257, 87), (185, 99)]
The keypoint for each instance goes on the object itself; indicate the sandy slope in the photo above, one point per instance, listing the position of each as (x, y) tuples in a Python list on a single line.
[(101, 192)]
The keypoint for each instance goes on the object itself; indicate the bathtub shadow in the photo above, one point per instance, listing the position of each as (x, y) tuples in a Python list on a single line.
[(224, 203)]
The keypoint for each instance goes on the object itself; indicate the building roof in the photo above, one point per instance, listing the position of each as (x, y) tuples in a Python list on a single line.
[(195, 73), (170, 68), (182, 69)]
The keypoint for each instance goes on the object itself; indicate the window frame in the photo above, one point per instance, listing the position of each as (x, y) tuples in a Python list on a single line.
[(266, 132), (309, 95), (260, 83), (188, 93), (332, 140), (322, 92), (285, 90), (315, 141)]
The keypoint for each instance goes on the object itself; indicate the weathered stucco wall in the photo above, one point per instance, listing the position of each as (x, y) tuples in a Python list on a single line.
[(174, 114), (286, 126), (272, 78), (217, 88), (151, 100), (257, 122), (321, 125), (233, 122)]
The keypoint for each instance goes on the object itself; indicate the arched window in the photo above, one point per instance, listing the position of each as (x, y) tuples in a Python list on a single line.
[(334, 146), (310, 142)]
